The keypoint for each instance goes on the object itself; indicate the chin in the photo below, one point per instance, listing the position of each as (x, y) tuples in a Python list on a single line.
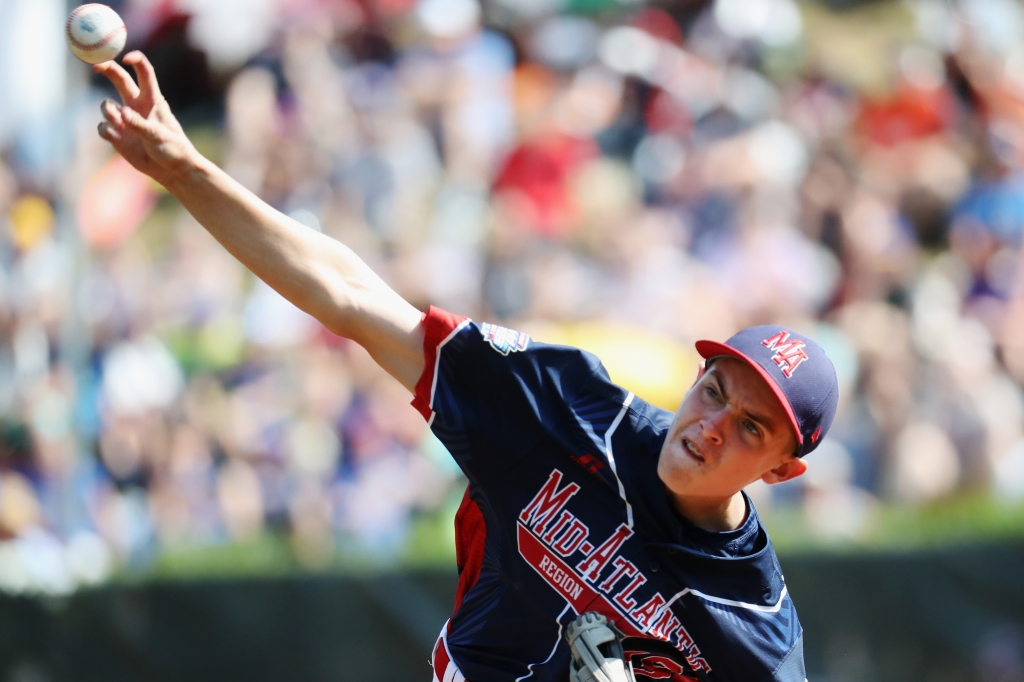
[(674, 472)]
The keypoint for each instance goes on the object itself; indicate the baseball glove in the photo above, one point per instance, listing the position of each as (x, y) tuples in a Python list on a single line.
[(596, 651)]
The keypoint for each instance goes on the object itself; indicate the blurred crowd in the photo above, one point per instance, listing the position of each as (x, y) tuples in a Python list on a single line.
[(685, 168)]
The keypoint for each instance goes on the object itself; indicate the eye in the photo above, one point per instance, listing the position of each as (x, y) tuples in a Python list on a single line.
[(711, 392), (751, 427)]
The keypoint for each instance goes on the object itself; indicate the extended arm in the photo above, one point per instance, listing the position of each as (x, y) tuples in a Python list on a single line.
[(318, 274)]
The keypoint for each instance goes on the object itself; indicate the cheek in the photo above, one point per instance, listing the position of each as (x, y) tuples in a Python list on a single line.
[(753, 466), (689, 411), (671, 462)]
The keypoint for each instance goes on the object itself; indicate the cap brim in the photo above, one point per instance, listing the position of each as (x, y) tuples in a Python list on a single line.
[(710, 349)]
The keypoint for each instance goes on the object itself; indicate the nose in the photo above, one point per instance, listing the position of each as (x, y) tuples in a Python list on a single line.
[(712, 427)]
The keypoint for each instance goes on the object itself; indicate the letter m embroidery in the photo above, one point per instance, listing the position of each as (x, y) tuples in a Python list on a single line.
[(788, 354), (547, 503)]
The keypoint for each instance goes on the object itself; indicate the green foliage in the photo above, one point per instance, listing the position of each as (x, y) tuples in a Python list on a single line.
[(430, 542), (268, 555), (966, 519)]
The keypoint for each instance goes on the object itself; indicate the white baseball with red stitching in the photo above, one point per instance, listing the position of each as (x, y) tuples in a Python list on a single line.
[(95, 33)]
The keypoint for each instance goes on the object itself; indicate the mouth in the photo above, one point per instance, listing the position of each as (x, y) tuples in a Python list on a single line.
[(693, 450)]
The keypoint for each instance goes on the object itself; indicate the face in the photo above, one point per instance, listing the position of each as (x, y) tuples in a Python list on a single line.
[(730, 431)]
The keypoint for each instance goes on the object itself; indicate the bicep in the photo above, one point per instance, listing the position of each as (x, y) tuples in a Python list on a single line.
[(394, 339), (388, 327), (328, 280)]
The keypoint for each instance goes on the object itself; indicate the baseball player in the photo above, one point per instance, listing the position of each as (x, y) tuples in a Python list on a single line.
[(600, 538)]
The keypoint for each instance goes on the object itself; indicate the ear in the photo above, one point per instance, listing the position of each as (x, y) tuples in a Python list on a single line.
[(787, 471)]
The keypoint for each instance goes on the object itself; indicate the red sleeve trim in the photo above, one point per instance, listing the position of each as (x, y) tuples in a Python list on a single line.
[(438, 327)]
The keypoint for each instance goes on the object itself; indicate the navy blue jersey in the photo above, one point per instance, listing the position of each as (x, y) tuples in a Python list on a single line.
[(565, 513)]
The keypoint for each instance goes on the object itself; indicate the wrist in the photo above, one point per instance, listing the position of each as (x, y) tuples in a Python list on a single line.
[(192, 168)]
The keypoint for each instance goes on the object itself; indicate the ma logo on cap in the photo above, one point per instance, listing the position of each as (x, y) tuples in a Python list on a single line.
[(788, 354)]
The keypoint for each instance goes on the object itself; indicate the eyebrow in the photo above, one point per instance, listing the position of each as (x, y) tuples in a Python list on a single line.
[(760, 419)]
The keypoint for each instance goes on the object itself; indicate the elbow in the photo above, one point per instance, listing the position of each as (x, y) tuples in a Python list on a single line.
[(337, 313), (338, 306)]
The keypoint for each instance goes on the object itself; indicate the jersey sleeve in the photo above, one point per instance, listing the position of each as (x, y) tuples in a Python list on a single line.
[(491, 394)]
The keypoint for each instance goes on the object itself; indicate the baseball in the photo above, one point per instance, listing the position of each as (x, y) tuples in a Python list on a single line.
[(95, 33)]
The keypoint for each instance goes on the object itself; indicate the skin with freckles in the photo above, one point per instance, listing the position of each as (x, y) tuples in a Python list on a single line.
[(729, 431)]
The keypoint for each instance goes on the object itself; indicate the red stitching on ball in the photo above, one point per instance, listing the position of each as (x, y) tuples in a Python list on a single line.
[(92, 46)]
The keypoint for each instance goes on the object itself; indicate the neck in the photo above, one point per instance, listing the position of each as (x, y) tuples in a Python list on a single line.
[(714, 514)]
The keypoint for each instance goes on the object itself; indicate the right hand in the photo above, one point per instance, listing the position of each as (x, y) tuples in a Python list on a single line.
[(142, 129)]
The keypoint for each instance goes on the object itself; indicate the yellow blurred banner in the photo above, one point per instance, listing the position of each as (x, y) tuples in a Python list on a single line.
[(31, 220), (657, 368)]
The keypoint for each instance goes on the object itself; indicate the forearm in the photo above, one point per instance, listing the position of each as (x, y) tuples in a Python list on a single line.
[(318, 274)]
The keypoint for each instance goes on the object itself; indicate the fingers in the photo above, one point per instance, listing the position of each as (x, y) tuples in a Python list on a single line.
[(119, 77), (138, 123), (112, 113), (109, 133), (147, 76)]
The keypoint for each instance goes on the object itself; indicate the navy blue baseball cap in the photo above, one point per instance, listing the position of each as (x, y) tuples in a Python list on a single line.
[(796, 369)]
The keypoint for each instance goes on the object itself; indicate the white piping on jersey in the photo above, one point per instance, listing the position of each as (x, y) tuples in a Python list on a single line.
[(744, 605), (437, 366), (611, 457), (558, 640), (719, 600)]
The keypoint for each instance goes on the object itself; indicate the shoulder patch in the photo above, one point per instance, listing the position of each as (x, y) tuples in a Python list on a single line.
[(504, 340)]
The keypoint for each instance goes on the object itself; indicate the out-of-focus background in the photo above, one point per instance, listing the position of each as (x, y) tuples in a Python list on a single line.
[(199, 481)]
